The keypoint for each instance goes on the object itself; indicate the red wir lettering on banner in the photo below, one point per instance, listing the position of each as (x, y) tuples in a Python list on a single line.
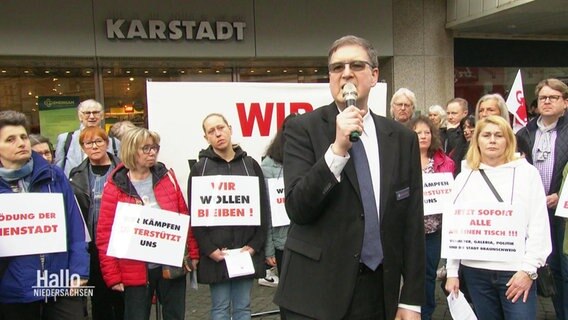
[(223, 186), (264, 120)]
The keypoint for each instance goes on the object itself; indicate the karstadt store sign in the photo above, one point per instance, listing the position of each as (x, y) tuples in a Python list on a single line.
[(122, 29)]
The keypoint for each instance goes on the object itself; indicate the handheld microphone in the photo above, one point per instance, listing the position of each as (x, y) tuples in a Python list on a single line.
[(350, 95)]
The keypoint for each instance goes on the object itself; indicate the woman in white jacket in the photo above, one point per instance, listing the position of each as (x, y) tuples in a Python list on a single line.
[(501, 288)]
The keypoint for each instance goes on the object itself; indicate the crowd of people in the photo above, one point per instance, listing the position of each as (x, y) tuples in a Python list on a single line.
[(357, 245)]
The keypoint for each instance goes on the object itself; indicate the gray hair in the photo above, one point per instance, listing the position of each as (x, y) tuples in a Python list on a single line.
[(402, 92), (500, 102), (439, 110)]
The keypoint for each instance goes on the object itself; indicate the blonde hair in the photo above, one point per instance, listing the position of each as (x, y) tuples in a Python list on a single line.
[(473, 156), (132, 140)]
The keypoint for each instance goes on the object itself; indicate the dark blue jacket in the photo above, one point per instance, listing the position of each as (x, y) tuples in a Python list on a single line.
[(21, 274)]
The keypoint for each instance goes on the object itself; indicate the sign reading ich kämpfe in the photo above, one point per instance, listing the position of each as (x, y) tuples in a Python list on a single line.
[(148, 234)]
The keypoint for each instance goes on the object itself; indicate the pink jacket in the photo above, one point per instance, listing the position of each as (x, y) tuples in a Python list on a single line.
[(443, 163)]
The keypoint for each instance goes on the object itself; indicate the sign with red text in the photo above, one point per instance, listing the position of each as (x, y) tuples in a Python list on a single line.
[(277, 209), (254, 111), (32, 223), (225, 201), (437, 190), (148, 234), (484, 231), (562, 207)]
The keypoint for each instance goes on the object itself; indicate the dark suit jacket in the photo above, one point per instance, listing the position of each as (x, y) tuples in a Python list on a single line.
[(322, 252)]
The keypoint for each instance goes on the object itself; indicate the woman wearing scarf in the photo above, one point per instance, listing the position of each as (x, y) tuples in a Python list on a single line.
[(88, 181), (25, 171)]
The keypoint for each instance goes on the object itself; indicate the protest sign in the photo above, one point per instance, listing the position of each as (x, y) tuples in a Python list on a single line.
[(255, 112), (437, 190), (148, 234), (277, 209), (32, 223), (562, 207), (225, 201), (484, 231)]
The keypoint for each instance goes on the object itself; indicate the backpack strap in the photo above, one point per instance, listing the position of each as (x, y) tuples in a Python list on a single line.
[(114, 151), (66, 147)]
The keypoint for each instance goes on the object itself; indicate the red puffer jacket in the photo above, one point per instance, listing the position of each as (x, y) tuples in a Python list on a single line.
[(120, 189)]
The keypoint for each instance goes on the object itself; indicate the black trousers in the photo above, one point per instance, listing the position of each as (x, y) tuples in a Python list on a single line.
[(106, 304), (64, 308), (367, 302)]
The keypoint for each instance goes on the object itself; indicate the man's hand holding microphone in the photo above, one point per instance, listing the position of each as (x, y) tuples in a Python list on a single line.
[(349, 122)]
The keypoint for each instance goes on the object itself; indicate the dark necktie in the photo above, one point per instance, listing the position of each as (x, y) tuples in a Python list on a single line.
[(372, 251)]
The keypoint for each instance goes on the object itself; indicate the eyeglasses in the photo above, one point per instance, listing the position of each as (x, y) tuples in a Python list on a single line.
[(357, 65), (91, 113), (552, 98), (90, 144), (400, 105), (149, 147)]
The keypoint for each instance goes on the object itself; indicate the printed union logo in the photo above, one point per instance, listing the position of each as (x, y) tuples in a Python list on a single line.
[(60, 285)]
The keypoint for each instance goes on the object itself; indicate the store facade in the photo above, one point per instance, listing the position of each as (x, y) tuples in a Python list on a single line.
[(59, 52), (62, 52)]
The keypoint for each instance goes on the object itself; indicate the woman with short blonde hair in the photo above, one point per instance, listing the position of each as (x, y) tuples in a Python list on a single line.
[(473, 156), (132, 140), (501, 285), (142, 180)]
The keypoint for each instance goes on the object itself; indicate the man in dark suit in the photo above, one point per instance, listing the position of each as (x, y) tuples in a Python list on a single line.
[(326, 271)]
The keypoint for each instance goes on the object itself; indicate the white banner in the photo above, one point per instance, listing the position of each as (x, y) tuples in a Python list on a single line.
[(254, 110), (225, 201), (437, 190), (148, 234), (32, 223), (277, 209), (484, 231)]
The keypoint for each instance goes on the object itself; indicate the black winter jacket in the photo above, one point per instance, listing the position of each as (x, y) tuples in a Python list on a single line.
[(231, 237), (528, 133), (79, 179)]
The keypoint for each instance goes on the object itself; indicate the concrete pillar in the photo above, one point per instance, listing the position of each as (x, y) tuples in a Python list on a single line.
[(423, 58)]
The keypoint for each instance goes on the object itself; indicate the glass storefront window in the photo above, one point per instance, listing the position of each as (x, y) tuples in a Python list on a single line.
[(284, 74), (471, 83), (30, 89), (121, 84)]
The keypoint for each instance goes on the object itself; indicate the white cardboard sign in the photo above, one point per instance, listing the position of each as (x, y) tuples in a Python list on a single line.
[(225, 201), (484, 231), (277, 208), (148, 234), (32, 223), (437, 190)]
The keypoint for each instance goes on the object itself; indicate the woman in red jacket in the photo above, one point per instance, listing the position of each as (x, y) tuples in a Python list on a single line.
[(140, 179), (433, 160)]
